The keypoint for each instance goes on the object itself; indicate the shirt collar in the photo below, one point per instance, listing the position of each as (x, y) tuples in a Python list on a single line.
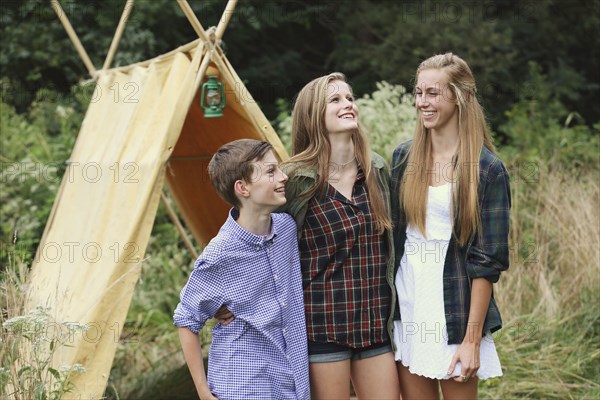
[(360, 175), (232, 226)]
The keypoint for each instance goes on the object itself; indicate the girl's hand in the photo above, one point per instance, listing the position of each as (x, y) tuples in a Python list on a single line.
[(468, 355), (468, 351)]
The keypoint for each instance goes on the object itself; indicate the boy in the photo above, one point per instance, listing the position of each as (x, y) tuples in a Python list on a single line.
[(252, 267)]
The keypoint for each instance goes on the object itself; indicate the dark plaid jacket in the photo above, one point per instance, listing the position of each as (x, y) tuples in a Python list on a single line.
[(485, 256), (298, 207)]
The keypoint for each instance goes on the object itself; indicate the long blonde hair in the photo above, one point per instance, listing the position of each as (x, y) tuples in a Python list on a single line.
[(473, 135), (311, 147)]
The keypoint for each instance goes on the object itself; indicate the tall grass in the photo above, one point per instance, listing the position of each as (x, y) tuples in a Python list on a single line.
[(29, 341), (555, 233), (12, 300), (549, 346)]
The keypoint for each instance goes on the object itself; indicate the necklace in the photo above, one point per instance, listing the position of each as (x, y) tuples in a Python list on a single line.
[(344, 164)]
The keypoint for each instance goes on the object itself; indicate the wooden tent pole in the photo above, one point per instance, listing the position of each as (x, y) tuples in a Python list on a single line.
[(224, 21), (71, 32), (178, 224), (191, 16), (119, 32), (202, 69)]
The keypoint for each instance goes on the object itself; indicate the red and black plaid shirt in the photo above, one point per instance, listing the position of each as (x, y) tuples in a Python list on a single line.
[(344, 263)]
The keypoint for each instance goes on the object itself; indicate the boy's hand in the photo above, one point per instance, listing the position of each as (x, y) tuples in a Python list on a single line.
[(207, 395), (224, 316)]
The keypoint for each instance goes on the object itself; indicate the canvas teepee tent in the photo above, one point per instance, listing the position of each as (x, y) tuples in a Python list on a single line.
[(144, 128)]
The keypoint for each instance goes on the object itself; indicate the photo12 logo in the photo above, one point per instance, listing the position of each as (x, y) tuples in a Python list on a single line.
[(72, 252), (90, 172)]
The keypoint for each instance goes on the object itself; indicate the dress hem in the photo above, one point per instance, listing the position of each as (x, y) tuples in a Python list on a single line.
[(446, 377)]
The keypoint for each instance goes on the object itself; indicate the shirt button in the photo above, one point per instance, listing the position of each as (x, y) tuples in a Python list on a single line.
[(284, 330), (258, 247), (276, 277), (283, 303)]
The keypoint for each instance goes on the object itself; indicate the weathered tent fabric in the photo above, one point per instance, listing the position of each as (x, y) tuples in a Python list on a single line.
[(144, 123), (89, 259)]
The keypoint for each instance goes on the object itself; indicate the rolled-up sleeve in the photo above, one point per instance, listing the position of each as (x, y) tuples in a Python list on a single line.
[(489, 253), (200, 298)]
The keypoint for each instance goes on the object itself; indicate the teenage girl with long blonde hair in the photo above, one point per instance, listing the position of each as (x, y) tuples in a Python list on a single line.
[(450, 209), (338, 193)]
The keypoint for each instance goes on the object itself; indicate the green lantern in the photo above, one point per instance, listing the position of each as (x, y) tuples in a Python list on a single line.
[(212, 98)]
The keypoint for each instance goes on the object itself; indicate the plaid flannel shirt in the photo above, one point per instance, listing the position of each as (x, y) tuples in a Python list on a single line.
[(485, 256), (348, 269)]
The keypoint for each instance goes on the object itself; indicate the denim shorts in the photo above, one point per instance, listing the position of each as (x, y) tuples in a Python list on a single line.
[(331, 352)]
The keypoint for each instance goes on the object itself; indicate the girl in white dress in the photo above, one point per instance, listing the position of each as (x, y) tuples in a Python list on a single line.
[(450, 207)]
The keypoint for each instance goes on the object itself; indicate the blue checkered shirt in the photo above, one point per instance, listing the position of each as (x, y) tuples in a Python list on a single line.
[(262, 354)]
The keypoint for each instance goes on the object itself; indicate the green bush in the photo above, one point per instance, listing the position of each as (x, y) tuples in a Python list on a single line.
[(389, 116), (540, 128), (33, 150)]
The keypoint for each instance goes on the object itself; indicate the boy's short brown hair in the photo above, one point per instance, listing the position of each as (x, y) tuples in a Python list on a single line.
[(234, 161)]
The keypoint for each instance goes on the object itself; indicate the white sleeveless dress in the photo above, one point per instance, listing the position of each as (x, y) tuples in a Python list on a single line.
[(421, 337)]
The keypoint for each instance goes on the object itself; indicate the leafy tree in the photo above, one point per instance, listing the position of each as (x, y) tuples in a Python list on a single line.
[(563, 38), (275, 46), (278, 46), (386, 40)]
